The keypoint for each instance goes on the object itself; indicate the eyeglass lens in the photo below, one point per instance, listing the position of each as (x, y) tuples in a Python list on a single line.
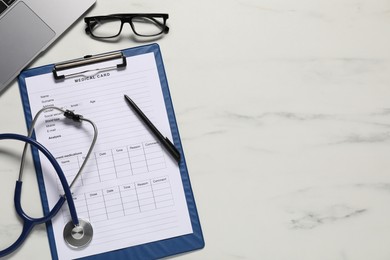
[(143, 26), (108, 27), (146, 26)]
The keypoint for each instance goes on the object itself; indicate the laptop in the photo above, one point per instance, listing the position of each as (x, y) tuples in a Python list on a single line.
[(27, 27)]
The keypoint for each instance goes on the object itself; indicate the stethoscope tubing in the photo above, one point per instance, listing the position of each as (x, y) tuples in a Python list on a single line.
[(30, 222), (57, 168)]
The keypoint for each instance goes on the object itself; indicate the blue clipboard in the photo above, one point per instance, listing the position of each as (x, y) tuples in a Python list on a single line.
[(153, 250)]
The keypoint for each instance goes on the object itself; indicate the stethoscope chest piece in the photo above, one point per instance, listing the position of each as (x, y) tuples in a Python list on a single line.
[(78, 236)]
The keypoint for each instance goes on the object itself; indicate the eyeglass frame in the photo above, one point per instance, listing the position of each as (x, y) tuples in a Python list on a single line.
[(127, 18)]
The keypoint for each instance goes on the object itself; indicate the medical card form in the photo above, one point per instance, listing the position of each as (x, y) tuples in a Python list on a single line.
[(131, 189)]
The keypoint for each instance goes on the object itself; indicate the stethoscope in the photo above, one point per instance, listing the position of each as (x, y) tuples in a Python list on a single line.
[(77, 232)]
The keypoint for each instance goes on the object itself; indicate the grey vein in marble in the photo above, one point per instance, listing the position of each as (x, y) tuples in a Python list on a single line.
[(370, 138), (312, 207), (281, 114), (311, 220)]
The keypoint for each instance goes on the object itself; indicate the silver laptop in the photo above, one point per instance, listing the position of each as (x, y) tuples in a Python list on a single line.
[(27, 27)]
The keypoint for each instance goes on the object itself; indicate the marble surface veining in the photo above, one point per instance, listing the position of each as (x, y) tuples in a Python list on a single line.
[(284, 113)]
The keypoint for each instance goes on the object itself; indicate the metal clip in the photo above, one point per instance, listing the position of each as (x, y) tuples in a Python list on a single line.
[(88, 60)]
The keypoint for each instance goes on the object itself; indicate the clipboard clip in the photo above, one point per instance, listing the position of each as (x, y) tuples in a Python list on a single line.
[(88, 60)]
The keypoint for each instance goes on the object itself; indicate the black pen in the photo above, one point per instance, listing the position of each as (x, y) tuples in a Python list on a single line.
[(163, 140)]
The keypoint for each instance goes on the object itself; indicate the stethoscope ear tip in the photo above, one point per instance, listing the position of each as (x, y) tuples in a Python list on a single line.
[(78, 236)]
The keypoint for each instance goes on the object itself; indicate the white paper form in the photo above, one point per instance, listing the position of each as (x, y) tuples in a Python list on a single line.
[(131, 190)]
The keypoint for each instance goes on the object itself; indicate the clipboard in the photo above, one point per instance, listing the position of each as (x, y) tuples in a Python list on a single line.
[(153, 250)]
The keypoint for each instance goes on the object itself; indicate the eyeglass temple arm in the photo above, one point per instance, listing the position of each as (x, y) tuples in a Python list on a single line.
[(162, 25)]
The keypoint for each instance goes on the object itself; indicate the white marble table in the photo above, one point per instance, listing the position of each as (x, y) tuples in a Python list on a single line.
[(284, 113)]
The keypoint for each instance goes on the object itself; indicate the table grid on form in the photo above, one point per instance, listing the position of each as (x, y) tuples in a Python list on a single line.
[(123, 200), (115, 163)]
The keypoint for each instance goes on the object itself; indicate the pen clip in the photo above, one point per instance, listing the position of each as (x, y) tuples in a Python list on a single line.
[(88, 60)]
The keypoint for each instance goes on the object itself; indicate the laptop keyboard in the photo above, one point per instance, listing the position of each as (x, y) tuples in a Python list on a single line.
[(4, 4)]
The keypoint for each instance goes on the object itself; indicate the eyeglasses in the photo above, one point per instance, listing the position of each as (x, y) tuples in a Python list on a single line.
[(110, 26)]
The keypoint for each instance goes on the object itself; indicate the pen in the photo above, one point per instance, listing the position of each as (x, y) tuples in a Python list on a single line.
[(163, 140)]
